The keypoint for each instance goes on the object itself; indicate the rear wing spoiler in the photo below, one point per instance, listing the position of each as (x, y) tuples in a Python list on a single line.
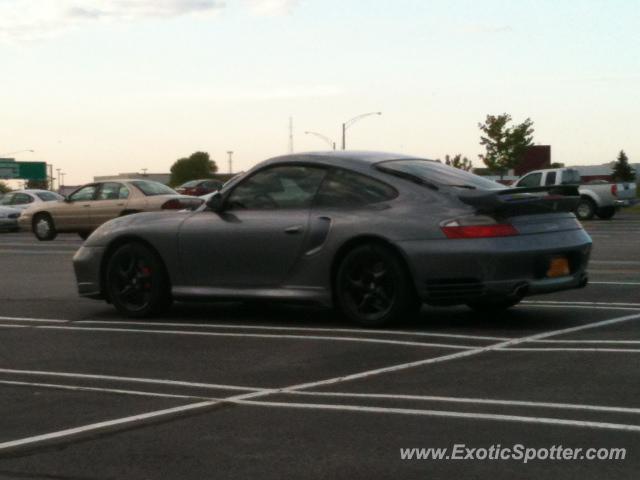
[(523, 201)]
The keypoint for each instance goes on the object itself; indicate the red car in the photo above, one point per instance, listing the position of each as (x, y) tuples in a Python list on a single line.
[(199, 187)]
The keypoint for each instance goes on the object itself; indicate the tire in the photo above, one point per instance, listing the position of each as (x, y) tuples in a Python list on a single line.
[(494, 305), (586, 209), (43, 227), (136, 282), (373, 288), (606, 213)]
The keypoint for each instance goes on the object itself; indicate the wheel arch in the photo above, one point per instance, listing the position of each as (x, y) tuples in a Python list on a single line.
[(117, 243), (354, 242)]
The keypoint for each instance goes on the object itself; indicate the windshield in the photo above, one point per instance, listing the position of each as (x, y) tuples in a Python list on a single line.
[(437, 174), (192, 183), (153, 188)]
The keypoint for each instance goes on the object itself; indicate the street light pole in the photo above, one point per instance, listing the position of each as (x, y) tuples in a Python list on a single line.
[(331, 143), (230, 153), (58, 170), (348, 123)]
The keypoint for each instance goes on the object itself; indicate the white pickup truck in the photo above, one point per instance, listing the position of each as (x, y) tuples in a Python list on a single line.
[(596, 198)]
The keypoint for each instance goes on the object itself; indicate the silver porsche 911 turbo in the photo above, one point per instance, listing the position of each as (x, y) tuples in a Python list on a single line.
[(373, 234)]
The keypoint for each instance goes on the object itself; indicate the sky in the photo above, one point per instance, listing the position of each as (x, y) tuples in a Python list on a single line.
[(98, 87)]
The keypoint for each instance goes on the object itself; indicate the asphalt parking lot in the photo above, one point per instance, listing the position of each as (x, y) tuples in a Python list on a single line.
[(239, 391)]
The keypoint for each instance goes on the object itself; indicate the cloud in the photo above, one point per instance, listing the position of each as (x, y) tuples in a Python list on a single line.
[(28, 19), (272, 7)]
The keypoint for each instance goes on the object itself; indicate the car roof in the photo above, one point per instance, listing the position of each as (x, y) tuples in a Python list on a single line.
[(353, 159)]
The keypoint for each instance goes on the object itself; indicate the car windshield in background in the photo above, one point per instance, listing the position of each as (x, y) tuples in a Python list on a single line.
[(192, 183), (49, 196), (438, 174), (153, 188)]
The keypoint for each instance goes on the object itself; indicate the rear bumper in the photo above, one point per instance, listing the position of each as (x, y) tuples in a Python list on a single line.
[(86, 264), (449, 272)]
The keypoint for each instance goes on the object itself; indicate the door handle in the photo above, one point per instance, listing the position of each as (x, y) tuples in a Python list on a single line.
[(86, 206), (293, 230)]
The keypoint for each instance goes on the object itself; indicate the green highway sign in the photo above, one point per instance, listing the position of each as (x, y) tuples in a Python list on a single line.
[(10, 169)]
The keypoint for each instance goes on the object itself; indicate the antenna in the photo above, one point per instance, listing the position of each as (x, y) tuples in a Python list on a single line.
[(290, 134)]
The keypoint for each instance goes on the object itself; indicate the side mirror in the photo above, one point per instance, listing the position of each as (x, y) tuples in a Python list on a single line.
[(215, 203)]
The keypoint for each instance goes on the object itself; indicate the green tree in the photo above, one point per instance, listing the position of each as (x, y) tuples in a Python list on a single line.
[(504, 145), (197, 165), (4, 188), (622, 171), (458, 161)]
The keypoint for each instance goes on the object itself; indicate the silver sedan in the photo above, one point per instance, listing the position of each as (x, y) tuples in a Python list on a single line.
[(373, 234)]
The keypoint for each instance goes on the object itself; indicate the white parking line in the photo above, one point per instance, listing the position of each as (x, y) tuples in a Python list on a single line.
[(614, 262), (151, 381), (292, 328), (569, 349), (246, 398), (28, 319), (473, 401), (555, 302), (613, 283), (258, 335), (441, 413), (464, 354)]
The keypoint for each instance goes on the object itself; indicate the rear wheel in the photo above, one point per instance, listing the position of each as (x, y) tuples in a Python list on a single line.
[(586, 209), (373, 288), (494, 305), (43, 227), (606, 213), (136, 282)]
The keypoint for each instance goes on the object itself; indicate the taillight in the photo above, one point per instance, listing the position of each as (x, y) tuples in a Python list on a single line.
[(477, 227), (614, 190)]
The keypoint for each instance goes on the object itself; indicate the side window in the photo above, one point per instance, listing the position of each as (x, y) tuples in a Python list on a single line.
[(531, 180), (21, 199), (109, 191), (124, 192), (343, 188), (7, 199), (284, 187), (551, 178), (84, 194)]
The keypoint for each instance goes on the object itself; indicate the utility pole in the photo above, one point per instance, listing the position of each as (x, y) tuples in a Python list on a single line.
[(290, 134), (50, 181), (144, 172), (58, 170), (230, 153)]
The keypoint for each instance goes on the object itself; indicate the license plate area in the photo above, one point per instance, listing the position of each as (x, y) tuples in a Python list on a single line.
[(558, 267)]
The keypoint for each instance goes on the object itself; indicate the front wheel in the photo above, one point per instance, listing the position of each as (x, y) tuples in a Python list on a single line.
[(373, 287), (44, 228), (136, 282)]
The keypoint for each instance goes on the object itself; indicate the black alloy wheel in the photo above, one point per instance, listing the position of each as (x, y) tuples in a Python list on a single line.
[(373, 288), (136, 282)]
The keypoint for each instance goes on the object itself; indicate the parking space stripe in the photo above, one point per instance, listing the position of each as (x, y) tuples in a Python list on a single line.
[(302, 329), (80, 388), (259, 335), (441, 413), (475, 401), (463, 354), (247, 397), (619, 304), (613, 283), (37, 320), (153, 381), (570, 349)]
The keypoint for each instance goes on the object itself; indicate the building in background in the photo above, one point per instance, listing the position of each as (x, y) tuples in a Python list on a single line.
[(156, 177)]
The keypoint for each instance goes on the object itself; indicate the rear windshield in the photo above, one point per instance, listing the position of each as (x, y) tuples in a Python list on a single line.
[(190, 184), (49, 196), (153, 188), (437, 174)]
